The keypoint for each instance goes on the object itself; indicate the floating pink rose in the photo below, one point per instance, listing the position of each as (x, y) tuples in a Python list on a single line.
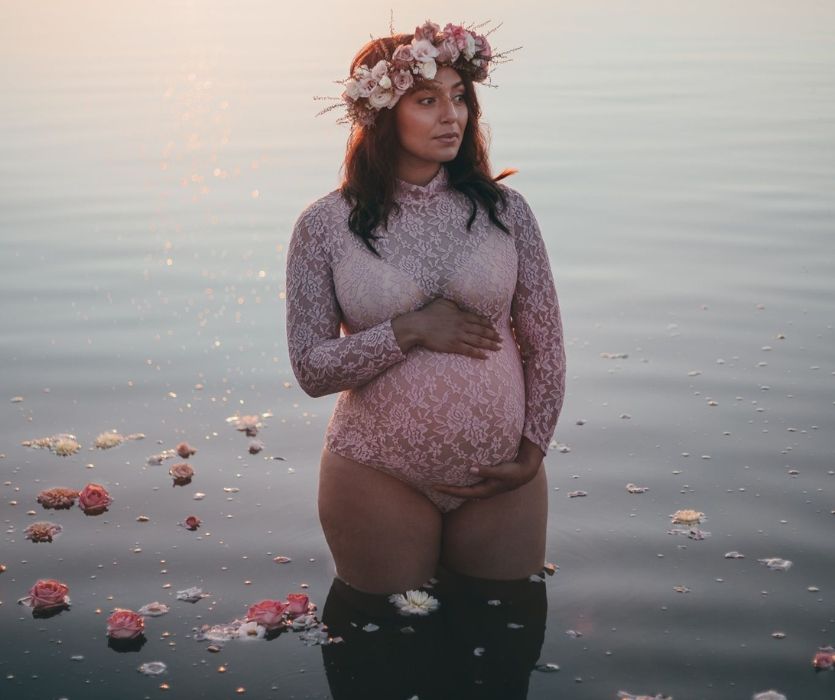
[(268, 613), (47, 594), (181, 473), (185, 450), (297, 604), (125, 624), (192, 522), (94, 499)]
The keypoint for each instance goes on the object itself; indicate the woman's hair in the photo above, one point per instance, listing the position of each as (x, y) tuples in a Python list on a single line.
[(370, 165)]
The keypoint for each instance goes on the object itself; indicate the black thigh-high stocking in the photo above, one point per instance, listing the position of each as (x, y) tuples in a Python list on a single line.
[(494, 634), (400, 659)]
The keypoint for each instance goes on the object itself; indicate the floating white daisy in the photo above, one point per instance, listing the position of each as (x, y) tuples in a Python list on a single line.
[(414, 603)]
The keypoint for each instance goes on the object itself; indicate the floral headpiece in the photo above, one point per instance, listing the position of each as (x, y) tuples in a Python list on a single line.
[(371, 89)]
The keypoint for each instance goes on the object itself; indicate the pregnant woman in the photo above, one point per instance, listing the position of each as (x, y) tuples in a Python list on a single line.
[(451, 368)]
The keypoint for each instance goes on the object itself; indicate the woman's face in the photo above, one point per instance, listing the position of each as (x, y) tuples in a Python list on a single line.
[(431, 121)]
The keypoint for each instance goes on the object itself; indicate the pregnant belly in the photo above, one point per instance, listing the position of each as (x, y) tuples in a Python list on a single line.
[(434, 415)]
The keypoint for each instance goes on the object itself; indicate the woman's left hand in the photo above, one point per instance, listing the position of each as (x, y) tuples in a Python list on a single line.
[(499, 478)]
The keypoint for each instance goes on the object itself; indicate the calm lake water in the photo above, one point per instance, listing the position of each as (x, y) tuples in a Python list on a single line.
[(680, 158)]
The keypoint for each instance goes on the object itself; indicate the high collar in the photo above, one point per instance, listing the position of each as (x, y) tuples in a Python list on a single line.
[(406, 191)]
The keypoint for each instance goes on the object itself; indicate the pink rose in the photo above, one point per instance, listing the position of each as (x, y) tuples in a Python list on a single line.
[(448, 51), (483, 48), (47, 593), (125, 624), (402, 55), (268, 613), (427, 31), (94, 499), (366, 86), (181, 473), (192, 522), (402, 80), (457, 34), (297, 604)]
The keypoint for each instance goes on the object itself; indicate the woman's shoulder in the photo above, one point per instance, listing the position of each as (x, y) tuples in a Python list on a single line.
[(516, 202), (322, 211), (517, 211)]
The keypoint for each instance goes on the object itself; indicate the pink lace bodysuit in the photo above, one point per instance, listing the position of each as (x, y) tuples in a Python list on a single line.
[(422, 416)]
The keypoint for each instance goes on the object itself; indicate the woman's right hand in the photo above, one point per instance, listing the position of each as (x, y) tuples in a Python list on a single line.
[(443, 327)]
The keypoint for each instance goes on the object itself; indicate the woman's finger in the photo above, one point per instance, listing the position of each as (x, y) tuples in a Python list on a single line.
[(485, 489)]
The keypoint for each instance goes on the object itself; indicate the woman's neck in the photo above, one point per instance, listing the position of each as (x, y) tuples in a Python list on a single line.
[(416, 174)]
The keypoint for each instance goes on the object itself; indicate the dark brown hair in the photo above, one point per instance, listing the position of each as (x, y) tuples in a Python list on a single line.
[(369, 170)]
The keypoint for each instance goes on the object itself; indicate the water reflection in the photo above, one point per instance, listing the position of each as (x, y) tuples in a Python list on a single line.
[(482, 643)]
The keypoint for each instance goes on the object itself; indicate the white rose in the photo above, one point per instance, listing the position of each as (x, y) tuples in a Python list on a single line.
[(424, 51), (380, 98), (428, 69), (385, 82), (469, 51), (352, 89), (379, 70)]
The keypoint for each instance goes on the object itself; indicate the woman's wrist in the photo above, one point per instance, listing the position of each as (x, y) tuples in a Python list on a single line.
[(406, 330), (529, 454)]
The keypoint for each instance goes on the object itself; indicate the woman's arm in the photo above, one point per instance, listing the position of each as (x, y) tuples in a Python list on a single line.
[(322, 361), (537, 326)]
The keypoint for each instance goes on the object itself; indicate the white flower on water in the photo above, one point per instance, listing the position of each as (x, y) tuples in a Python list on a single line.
[(251, 630), (414, 603)]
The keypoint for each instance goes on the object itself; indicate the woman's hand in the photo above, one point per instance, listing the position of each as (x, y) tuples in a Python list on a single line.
[(443, 327), (506, 476)]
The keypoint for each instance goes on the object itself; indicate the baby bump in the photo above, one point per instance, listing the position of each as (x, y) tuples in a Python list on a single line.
[(435, 415)]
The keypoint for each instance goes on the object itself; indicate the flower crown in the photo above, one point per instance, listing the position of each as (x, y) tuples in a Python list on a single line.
[(370, 89)]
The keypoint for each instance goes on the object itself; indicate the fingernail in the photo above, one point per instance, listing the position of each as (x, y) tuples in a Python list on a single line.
[(473, 470)]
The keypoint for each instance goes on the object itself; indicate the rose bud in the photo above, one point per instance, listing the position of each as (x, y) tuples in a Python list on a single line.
[(94, 499), (268, 613), (192, 522), (297, 604), (181, 473), (185, 450), (47, 594), (125, 624)]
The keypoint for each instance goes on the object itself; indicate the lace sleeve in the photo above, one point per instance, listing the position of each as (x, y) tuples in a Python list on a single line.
[(537, 326), (322, 361)]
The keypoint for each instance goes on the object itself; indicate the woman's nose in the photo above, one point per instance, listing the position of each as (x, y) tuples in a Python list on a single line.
[(449, 113)]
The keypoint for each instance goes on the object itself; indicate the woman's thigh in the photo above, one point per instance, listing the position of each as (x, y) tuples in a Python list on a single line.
[(384, 535), (502, 537)]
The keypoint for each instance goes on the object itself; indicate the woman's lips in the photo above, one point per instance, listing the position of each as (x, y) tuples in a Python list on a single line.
[(448, 139)]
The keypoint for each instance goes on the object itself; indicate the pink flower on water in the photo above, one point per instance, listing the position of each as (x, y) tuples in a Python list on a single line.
[(125, 624), (181, 473), (58, 498), (268, 613), (94, 499), (192, 522), (47, 594), (297, 604), (185, 450)]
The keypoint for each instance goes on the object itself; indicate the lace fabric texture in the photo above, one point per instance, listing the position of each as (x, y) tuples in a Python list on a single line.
[(426, 417)]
